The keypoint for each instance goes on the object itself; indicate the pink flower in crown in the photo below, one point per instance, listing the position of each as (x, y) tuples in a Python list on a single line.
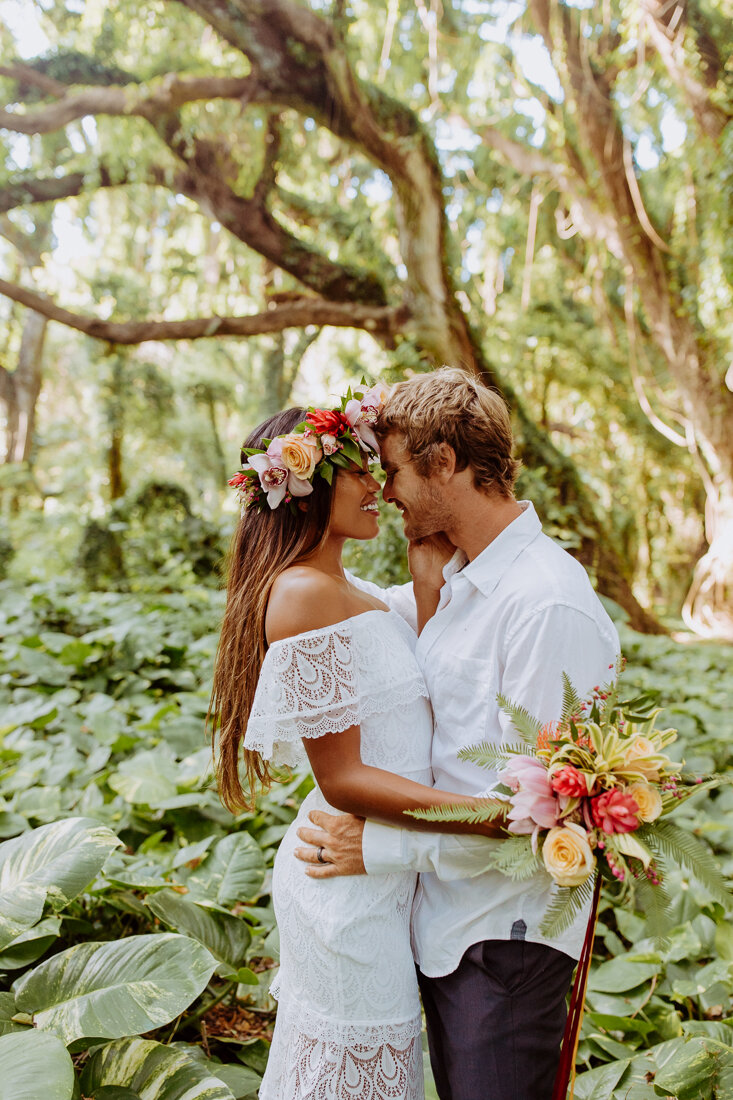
[(534, 805), (615, 811), (276, 480), (330, 444), (363, 414)]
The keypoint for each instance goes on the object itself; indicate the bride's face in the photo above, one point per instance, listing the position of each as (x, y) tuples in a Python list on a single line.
[(354, 511)]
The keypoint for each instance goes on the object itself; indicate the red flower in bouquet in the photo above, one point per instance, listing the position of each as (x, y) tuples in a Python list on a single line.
[(327, 422), (615, 812), (568, 780)]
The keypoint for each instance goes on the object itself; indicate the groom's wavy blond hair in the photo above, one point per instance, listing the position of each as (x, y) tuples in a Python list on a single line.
[(452, 406)]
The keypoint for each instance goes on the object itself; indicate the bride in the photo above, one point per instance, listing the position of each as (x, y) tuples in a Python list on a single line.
[(311, 662)]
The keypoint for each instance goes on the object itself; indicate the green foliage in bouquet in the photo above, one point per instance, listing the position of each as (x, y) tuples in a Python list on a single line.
[(590, 795)]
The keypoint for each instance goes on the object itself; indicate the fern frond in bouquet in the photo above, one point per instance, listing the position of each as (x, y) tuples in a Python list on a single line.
[(590, 795)]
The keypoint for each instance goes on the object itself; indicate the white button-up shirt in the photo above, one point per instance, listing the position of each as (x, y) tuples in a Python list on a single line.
[(510, 622)]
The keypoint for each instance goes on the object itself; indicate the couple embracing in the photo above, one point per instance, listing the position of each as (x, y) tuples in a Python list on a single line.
[(380, 689)]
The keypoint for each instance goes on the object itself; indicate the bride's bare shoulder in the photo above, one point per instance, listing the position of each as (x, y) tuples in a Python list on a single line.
[(303, 598)]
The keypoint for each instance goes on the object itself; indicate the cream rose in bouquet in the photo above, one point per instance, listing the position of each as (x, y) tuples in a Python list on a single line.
[(590, 795)]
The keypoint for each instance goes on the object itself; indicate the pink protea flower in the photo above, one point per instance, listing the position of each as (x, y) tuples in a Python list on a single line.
[(615, 812), (568, 780), (534, 805)]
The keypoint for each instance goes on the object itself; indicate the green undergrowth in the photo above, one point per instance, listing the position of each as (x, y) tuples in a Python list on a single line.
[(136, 926)]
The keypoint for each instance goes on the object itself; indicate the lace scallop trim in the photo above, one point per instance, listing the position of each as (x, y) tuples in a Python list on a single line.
[(280, 739)]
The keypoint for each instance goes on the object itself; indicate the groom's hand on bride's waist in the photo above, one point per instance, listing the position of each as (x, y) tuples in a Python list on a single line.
[(334, 845)]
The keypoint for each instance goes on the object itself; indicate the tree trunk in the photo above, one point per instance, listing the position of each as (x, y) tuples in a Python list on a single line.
[(20, 389)]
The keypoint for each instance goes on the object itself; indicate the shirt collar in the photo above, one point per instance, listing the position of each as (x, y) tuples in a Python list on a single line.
[(486, 570)]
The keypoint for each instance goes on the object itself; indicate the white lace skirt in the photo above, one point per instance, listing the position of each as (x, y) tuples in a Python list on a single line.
[(348, 1022)]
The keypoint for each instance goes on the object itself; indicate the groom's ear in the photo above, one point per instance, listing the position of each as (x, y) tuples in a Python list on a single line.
[(443, 461)]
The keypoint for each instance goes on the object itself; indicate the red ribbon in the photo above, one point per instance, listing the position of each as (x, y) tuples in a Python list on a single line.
[(565, 1076)]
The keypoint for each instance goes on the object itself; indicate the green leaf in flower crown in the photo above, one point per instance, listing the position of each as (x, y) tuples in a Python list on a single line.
[(565, 905), (325, 469), (526, 726), (153, 1072), (227, 937), (338, 459), (63, 856), (352, 451), (113, 989), (233, 871), (34, 1065)]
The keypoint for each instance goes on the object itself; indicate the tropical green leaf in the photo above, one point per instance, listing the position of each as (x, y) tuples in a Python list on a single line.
[(30, 945), (526, 726), (8, 1009), (242, 1081), (148, 777), (227, 937), (35, 1066), (565, 904), (153, 1071), (624, 973), (233, 871), (696, 1069), (113, 989), (62, 858)]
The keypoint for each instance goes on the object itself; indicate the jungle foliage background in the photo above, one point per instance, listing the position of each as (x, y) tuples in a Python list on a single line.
[(212, 208)]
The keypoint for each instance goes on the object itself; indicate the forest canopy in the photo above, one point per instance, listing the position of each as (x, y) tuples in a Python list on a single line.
[(210, 207)]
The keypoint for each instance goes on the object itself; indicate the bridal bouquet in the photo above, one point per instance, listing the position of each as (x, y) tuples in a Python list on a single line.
[(591, 795)]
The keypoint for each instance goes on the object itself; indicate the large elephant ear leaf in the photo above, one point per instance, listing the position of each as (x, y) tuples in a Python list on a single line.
[(152, 1071), (233, 871), (34, 1064), (56, 860), (227, 937), (113, 989)]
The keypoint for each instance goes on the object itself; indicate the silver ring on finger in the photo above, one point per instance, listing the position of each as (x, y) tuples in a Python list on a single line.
[(319, 855)]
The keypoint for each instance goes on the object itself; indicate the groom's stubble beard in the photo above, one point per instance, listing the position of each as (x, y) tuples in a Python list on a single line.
[(428, 514)]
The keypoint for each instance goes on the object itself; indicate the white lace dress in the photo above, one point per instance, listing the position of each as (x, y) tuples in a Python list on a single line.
[(348, 1021)]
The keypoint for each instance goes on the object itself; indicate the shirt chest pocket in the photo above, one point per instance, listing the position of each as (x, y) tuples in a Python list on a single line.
[(462, 691)]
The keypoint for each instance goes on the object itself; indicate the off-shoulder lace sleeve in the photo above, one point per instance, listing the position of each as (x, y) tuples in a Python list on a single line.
[(326, 681)]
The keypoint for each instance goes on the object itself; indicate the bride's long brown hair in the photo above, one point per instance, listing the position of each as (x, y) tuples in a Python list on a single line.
[(264, 544)]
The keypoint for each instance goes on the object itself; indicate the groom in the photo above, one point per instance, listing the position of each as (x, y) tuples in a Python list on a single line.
[(508, 614)]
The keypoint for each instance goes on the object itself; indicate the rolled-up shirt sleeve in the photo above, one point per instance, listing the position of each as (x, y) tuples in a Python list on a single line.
[(387, 848)]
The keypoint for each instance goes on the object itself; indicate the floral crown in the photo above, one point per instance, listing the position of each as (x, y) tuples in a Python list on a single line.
[(326, 439)]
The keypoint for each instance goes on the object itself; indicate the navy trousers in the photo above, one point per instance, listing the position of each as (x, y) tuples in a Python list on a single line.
[(495, 1024)]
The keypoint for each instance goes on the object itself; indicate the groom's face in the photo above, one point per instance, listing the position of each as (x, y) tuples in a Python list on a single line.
[(421, 500)]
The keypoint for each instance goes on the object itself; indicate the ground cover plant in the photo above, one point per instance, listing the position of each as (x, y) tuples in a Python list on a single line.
[(137, 938)]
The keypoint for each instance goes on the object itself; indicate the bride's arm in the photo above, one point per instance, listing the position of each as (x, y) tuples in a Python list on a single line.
[(357, 788)]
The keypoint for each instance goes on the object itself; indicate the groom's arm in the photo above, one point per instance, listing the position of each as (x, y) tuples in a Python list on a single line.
[(351, 846), (551, 640)]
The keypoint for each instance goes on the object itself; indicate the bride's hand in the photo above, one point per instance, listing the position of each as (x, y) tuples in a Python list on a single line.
[(427, 558)]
